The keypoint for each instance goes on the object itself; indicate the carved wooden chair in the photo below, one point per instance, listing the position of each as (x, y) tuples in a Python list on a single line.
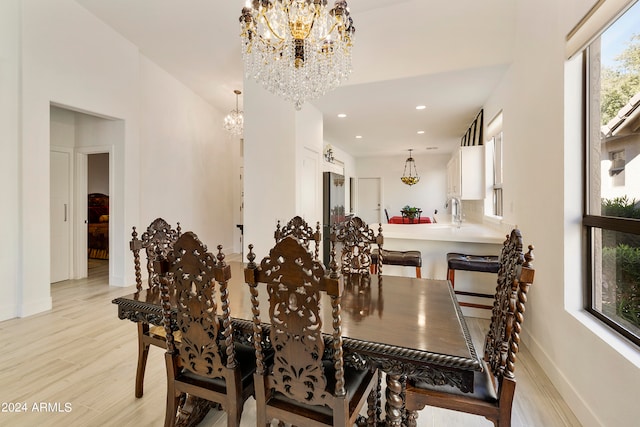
[(356, 239), (159, 238), (205, 363), (494, 388), (298, 228), (302, 387)]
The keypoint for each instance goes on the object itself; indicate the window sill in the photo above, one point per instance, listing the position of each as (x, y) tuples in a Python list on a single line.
[(621, 345), (492, 219)]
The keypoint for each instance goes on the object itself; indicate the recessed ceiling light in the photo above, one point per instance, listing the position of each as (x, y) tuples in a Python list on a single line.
[(358, 136), (420, 132), (421, 107), (342, 115)]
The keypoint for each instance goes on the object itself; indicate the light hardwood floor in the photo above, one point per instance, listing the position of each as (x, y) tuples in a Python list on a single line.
[(79, 360)]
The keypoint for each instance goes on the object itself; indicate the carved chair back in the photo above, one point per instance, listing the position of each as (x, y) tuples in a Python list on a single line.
[(515, 277), (294, 283), (206, 345), (298, 228), (159, 238), (494, 389), (356, 239)]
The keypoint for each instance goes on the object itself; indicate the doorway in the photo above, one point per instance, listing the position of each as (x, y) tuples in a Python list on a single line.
[(87, 174), (369, 199), (97, 212)]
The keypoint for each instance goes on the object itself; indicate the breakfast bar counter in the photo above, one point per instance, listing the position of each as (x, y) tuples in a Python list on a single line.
[(434, 241), (444, 232)]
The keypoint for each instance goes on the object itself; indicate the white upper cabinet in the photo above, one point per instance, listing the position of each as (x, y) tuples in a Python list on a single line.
[(465, 173)]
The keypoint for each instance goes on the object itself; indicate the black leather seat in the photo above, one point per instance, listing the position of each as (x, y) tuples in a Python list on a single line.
[(403, 258), (479, 263)]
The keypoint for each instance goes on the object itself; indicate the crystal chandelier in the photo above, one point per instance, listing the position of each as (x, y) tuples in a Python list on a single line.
[(413, 177), (297, 49), (234, 121)]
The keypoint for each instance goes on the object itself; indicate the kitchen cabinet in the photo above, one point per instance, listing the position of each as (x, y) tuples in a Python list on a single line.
[(465, 173)]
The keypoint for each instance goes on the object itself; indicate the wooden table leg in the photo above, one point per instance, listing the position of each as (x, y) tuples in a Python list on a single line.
[(394, 406), (192, 411), (412, 418)]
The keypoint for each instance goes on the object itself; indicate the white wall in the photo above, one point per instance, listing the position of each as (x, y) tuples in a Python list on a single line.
[(10, 178), (71, 59), (277, 140), (270, 191), (595, 372), (186, 170), (309, 156), (62, 128), (429, 194)]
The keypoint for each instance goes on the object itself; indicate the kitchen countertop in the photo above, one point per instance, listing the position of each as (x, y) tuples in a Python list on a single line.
[(445, 232)]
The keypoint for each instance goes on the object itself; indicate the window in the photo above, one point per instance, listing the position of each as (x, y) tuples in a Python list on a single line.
[(497, 174), (617, 162), (493, 201), (612, 154)]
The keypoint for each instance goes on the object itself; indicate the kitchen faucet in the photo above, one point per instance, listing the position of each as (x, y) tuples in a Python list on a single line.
[(456, 211)]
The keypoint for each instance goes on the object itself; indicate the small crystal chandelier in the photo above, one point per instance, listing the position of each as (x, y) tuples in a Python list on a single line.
[(297, 49), (413, 177), (234, 121)]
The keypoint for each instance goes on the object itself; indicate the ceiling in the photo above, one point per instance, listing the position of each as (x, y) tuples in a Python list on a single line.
[(448, 56)]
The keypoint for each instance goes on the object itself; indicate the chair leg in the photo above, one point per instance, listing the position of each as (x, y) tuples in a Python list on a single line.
[(419, 272), (261, 399), (143, 354), (233, 417), (451, 275), (172, 395), (507, 391), (234, 398)]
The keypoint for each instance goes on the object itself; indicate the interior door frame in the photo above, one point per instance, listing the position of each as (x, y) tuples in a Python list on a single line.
[(80, 253), (380, 195), (69, 152)]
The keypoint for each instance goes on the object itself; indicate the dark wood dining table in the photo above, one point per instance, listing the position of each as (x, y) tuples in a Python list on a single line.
[(407, 327)]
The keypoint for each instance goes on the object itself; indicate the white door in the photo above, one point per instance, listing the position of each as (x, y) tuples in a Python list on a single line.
[(369, 200), (60, 216)]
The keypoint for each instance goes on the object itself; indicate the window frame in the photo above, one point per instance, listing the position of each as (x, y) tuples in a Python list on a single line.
[(497, 192), (591, 222), (494, 188)]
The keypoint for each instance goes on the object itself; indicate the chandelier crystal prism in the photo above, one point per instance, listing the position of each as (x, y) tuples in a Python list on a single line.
[(297, 49), (234, 121), (412, 178)]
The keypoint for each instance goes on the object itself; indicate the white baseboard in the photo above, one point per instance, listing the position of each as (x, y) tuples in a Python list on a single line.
[(8, 312), (35, 307), (581, 410)]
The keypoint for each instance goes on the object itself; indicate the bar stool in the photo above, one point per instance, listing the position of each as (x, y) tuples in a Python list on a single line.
[(403, 258), (479, 263)]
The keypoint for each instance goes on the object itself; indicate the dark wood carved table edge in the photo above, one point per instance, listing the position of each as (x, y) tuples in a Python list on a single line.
[(399, 363), (425, 366)]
